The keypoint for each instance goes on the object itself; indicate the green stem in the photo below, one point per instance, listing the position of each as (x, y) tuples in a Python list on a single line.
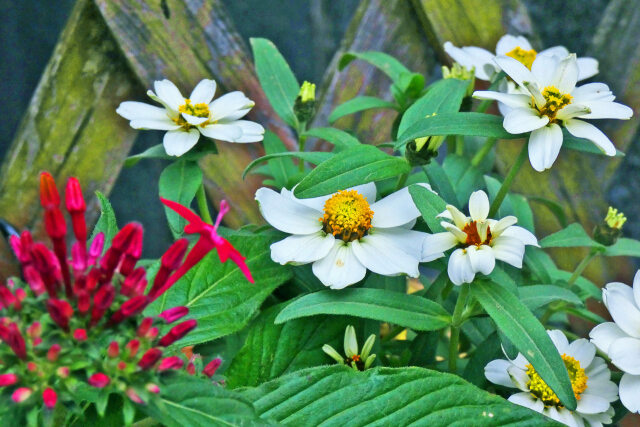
[(508, 180), (459, 145), (201, 198), (402, 179), (484, 105), (484, 150), (302, 140), (456, 322)]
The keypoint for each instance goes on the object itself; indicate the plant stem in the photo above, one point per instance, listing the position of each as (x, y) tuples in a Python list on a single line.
[(456, 322), (484, 105), (302, 140), (402, 179), (459, 145), (201, 198), (484, 150), (508, 180)]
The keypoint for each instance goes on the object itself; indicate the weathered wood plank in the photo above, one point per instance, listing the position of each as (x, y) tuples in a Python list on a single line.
[(70, 127), (185, 42)]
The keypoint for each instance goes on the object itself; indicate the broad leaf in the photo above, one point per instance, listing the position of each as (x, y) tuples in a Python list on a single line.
[(179, 182), (441, 183), (276, 78), (536, 296), (385, 63), (340, 396), (410, 311), (107, 222), (528, 335), (570, 237), (624, 247), (337, 137), (314, 157), (361, 103), (353, 166), (430, 206)]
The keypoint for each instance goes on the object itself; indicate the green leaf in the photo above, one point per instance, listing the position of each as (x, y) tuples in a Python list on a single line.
[(410, 311), (179, 182), (353, 166), (469, 124), (272, 350), (340, 396), (276, 78), (570, 237), (556, 209), (441, 182), (585, 314), (192, 401), (498, 275), (385, 63), (314, 157), (204, 147), (571, 142), (488, 350), (430, 206), (540, 263), (218, 295), (107, 223), (337, 137), (281, 168), (536, 296), (361, 103), (528, 335), (624, 247)]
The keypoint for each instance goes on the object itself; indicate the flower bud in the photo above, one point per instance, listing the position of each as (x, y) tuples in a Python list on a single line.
[(49, 397), (32, 367), (34, 330), (63, 371), (212, 367), (113, 350), (33, 278), (54, 224), (16, 341), (152, 334), (8, 379), (20, 294), (73, 197), (421, 151), (191, 368), (172, 362), (80, 334), (7, 298), (610, 230), (132, 348), (150, 358), (144, 327), (49, 196), (21, 394), (54, 351), (173, 314), (177, 332), (99, 380), (131, 284), (305, 104), (122, 365), (152, 388), (60, 311), (135, 398), (102, 300), (84, 301), (95, 250), (171, 260)]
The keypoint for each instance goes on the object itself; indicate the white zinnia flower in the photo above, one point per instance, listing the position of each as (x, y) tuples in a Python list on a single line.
[(480, 241), (517, 47), (620, 339), (590, 380), (553, 100), (185, 119), (345, 233)]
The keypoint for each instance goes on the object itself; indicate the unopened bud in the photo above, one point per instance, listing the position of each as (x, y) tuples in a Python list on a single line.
[(132, 347), (99, 380), (150, 358), (177, 332), (63, 371), (211, 367), (173, 314), (54, 351), (305, 104), (50, 397), (21, 394), (80, 334), (8, 379), (172, 362), (152, 388), (144, 327), (113, 350), (49, 196), (609, 231)]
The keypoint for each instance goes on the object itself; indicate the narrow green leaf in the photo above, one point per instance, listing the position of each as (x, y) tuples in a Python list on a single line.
[(585, 314), (107, 223), (556, 209), (528, 335), (353, 166), (624, 247), (488, 350), (570, 237), (571, 142), (179, 182), (441, 183), (340, 396), (385, 63), (387, 306), (314, 157), (536, 296), (204, 147), (540, 263), (430, 206), (337, 137), (360, 103), (276, 78), (282, 168), (498, 275)]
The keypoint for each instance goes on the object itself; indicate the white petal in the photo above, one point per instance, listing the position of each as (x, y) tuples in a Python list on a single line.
[(394, 210), (513, 100), (499, 227), (543, 68), (521, 120), (591, 404), (459, 234), (587, 67), (636, 288), (525, 399), (458, 218), (228, 104), (522, 234), (459, 269), (607, 110), (508, 42), (496, 372), (621, 304), (302, 249), (472, 57), (229, 133), (287, 215), (509, 250), (166, 124), (625, 354), (604, 334), (409, 241), (566, 74), (519, 378), (587, 130), (132, 110), (573, 110), (381, 253), (236, 115), (203, 93), (592, 92), (178, 142), (544, 146), (251, 131), (583, 351), (557, 51), (482, 259), (479, 205), (340, 268), (630, 392), (515, 69), (559, 340), (435, 244), (193, 120), (168, 93)]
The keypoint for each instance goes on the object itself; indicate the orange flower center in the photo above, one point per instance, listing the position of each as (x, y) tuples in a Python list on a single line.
[(473, 236)]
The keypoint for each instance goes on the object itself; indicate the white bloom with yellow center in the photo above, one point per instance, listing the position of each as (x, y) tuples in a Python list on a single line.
[(620, 339), (517, 47), (480, 240), (185, 119), (590, 380), (552, 101), (345, 233)]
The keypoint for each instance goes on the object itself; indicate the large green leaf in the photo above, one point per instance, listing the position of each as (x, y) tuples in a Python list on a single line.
[(314, 157), (536, 296), (441, 183), (361, 103), (179, 182), (191, 401), (340, 396), (282, 168), (353, 166), (410, 311), (569, 237), (218, 295), (624, 247), (272, 350), (276, 78), (107, 223), (337, 137), (430, 206), (522, 328)]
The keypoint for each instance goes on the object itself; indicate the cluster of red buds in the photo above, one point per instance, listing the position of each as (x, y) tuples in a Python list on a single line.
[(82, 319)]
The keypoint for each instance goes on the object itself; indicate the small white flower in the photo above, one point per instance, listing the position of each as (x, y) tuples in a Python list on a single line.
[(620, 339), (517, 47), (357, 361), (552, 100), (480, 241), (590, 380), (185, 119), (344, 234)]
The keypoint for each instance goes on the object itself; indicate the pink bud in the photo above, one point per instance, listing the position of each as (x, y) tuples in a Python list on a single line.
[(63, 371), (131, 393), (172, 362), (212, 367), (34, 280), (50, 398), (96, 248), (21, 394), (113, 350), (173, 314), (132, 347), (153, 332), (150, 358), (132, 283), (80, 334), (32, 367), (144, 327), (34, 330), (8, 379), (122, 365), (177, 332), (54, 351), (78, 258), (99, 380), (152, 388), (21, 294), (191, 368)]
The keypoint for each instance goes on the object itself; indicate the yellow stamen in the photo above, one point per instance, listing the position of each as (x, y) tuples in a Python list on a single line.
[(347, 215), (539, 389), (614, 219), (556, 101), (197, 110), (526, 57)]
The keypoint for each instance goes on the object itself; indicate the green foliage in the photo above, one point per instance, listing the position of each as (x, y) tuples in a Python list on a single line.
[(107, 223), (179, 182), (360, 103), (337, 137)]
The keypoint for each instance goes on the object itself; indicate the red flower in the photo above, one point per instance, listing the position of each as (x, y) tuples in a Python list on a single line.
[(212, 367), (177, 332), (54, 351), (49, 397), (173, 362), (113, 350), (150, 358), (60, 311), (21, 394), (173, 314), (80, 334), (8, 379), (99, 380)]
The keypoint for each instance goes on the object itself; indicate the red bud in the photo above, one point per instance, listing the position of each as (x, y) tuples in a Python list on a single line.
[(126, 236), (8, 379), (96, 248), (21, 394), (113, 350), (177, 332), (34, 330), (7, 298), (54, 224), (63, 371), (191, 368), (130, 284), (84, 301), (60, 311), (73, 197), (99, 380), (54, 351), (173, 314), (131, 393), (49, 196), (150, 358), (144, 327), (80, 334), (21, 294), (16, 341), (171, 260), (152, 388), (102, 300), (153, 332), (122, 365), (172, 362), (50, 398), (132, 347), (34, 280), (212, 367), (32, 367)]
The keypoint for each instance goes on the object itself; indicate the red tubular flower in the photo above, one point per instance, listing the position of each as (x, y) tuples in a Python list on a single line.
[(15, 340), (54, 351), (102, 300), (130, 308), (84, 301), (78, 259), (131, 283), (96, 248), (113, 350), (8, 299), (173, 314), (21, 294), (132, 347), (34, 280), (144, 327), (49, 397), (150, 358), (76, 207), (34, 330), (212, 367), (49, 196), (8, 379), (177, 332), (131, 255), (60, 311), (127, 236), (21, 394), (48, 266), (170, 261), (80, 334), (153, 332), (173, 362), (135, 398), (99, 380), (191, 368)]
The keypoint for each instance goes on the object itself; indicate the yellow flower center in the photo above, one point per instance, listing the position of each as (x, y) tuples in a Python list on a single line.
[(556, 101), (526, 57), (615, 219), (541, 390), (475, 236), (197, 110), (347, 215)]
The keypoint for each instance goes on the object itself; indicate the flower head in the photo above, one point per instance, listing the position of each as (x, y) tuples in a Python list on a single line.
[(620, 339), (345, 233), (354, 359), (185, 119), (479, 240), (590, 380)]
